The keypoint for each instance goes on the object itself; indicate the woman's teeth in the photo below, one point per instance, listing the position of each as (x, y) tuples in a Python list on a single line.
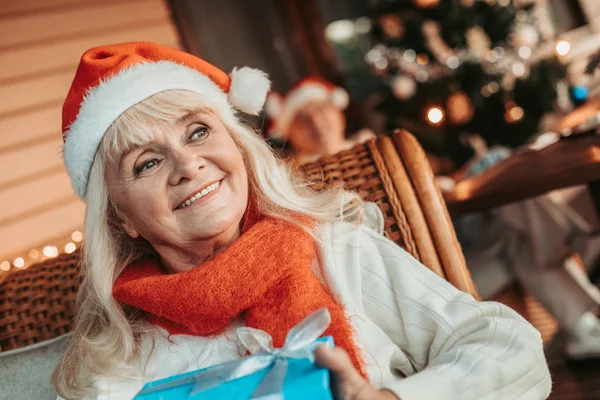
[(199, 195)]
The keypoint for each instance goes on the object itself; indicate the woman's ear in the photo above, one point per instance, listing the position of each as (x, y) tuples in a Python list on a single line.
[(130, 229), (117, 220)]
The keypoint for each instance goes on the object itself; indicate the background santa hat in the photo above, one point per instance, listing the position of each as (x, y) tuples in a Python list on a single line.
[(282, 109), (111, 79)]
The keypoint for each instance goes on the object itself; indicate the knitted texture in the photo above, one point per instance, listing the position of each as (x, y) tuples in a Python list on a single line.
[(265, 274)]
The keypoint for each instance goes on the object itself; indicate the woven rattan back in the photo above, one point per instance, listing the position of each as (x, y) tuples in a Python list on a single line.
[(362, 170), (37, 304)]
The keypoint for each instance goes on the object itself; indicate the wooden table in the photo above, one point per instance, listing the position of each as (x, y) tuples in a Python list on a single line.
[(573, 160)]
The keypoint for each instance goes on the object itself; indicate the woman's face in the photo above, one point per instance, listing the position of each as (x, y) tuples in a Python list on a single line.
[(187, 186)]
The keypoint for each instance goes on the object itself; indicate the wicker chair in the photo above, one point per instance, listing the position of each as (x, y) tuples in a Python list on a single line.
[(37, 304)]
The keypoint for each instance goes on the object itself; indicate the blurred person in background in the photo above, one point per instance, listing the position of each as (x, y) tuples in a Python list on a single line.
[(535, 241), (310, 119)]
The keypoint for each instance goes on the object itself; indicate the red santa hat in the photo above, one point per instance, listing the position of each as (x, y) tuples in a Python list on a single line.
[(110, 79), (282, 109)]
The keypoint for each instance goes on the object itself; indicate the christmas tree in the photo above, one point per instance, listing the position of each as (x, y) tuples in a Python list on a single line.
[(450, 68)]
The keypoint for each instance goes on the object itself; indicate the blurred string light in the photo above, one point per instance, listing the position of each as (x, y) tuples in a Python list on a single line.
[(524, 52), (410, 55), (34, 254), (422, 76), (50, 251), (490, 89), (427, 3), (422, 59), (563, 47), (362, 25), (502, 60), (340, 31), (452, 62), (46, 252), (77, 236), (373, 55), (435, 115), (518, 69), (513, 113), (497, 61), (70, 247), (490, 57)]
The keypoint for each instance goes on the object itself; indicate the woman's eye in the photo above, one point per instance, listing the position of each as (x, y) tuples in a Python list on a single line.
[(198, 133), (145, 166)]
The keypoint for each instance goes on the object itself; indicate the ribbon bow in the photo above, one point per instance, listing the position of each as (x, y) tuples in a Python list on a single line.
[(299, 343)]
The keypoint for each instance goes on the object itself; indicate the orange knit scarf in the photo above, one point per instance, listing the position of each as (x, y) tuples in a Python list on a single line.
[(265, 273)]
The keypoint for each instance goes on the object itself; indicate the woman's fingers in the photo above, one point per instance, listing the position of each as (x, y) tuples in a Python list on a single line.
[(338, 362), (348, 383)]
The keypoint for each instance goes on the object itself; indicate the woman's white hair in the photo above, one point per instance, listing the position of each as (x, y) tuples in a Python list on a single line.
[(106, 338)]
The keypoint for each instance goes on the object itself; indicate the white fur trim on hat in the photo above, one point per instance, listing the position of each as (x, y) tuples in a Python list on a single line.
[(249, 88), (104, 103), (273, 105)]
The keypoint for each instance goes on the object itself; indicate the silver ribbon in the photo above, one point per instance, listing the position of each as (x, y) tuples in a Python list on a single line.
[(299, 343)]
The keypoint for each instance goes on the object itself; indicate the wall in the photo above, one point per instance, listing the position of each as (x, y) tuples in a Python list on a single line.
[(246, 33), (40, 45)]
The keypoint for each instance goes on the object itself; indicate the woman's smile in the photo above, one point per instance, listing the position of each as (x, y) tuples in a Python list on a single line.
[(202, 196)]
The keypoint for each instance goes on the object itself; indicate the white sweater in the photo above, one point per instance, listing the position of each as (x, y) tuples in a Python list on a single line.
[(420, 337)]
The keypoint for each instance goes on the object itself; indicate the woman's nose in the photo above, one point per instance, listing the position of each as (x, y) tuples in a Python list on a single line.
[(186, 166), (309, 120)]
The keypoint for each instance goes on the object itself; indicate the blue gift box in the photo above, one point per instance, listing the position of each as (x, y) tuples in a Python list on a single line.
[(303, 380)]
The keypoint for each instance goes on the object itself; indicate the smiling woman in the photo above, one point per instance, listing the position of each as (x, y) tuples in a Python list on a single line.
[(180, 165), (194, 228)]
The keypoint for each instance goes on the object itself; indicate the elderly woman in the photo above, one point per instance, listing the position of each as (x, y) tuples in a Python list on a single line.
[(194, 228)]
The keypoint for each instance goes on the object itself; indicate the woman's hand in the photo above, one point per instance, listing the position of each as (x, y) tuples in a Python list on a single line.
[(348, 384)]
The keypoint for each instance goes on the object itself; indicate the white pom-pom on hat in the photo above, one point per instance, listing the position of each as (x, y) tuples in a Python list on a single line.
[(340, 98), (249, 88)]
